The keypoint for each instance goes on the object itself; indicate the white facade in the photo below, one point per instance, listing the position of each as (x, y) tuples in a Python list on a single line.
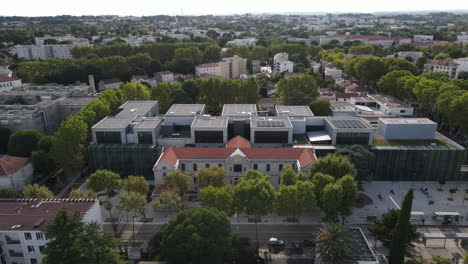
[(41, 52), (208, 68), (334, 73), (233, 67), (420, 38), (449, 67), (244, 42), (68, 37), (24, 246), (7, 83), (462, 65)]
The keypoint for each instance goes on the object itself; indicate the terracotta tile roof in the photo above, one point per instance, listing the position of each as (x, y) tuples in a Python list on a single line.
[(171, 155), (160, 189), (34, 214), (208, 65), (7, 79), (238, 142), (11, 164)]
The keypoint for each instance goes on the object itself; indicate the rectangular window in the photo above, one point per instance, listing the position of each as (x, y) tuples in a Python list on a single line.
[(220, 165), (39, 236), (237, 168), (30, 249), (402, 111), (195, 167), (41, 249), (255, 167), (207, 165), (280, 167), (145, 138), (33, 261), (27, 236), (182, 166), (268, 167), (108, 138)]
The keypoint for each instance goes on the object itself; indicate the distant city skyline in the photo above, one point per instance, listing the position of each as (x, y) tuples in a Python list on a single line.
[(212, 7)]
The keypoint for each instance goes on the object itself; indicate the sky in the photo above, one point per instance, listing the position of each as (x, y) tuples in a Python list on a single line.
[(216, 7)]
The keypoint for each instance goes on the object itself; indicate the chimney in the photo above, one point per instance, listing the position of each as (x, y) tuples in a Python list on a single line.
[(92, 87)]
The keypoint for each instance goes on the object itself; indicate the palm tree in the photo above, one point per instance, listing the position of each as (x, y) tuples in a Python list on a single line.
[(333, 246)]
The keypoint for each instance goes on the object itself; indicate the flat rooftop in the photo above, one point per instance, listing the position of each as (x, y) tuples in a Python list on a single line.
[(75, 100), (210, 122), (388, 100), (117, 122), (35, 214), (364, 99), (239, 110), (340, 122), (270, 122), (150, 122), (407, 121), (185, 109), (136, 108), (342, 107), (293, 110)]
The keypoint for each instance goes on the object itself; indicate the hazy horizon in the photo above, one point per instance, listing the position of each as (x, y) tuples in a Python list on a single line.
[(212, 7)]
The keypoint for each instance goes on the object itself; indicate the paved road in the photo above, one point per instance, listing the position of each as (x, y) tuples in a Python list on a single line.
[(288, 233)]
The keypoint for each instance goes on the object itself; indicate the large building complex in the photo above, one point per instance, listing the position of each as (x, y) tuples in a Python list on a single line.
[(236, 158), (23, 222), (281, 63), (385, 42), (42, 52), (230, 67)]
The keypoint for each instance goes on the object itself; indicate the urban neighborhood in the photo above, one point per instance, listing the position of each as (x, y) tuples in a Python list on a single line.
[(275, 138)]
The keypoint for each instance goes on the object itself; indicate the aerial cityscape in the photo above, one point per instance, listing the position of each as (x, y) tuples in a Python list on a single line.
[(199, 134)]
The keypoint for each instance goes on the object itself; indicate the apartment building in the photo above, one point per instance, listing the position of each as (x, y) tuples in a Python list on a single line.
[(243, 42), (23, 222), (449, 67), (230, 67), (281, 63), (210, 69), (74, 41), (236, 158), (41, 52), (164, 76)]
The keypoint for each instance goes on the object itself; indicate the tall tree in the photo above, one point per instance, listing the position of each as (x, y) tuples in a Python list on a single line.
[(4, 139), (320, 107), (102, 180), (334, 165), (331, 200), (295, 200), (213, 176), (288, 176), (350, 194), (197, 236), (23, 142), (305, 84), (136, 184), (177, 181), (221, 198), (362, 159), (400, 237)]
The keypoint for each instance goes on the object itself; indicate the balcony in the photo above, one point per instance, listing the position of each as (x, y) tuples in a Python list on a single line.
[(10, 241)]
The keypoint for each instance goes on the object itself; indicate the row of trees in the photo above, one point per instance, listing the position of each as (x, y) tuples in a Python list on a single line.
[(441, 99), (213, 92)]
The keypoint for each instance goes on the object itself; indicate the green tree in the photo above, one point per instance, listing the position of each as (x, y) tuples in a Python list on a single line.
[(367, 70), (70, 241), (212, 53), (135, 204), (221, 198), (254, 195), (4, 139), (177, 181), (162, 93), (213, 176), (37, 191), (384, 229), (389, 84), (42, 161), (331, 201), (361, 49), (67, 148), (23, 142), (399, 64), (334, 245), (201, 235), (136, 184), (77, 194), (288, 176), (320, 107), (169, 201), (136, 91), (350, 194), (314, 51), (334, 165), (65, 233), (362, 159), (320, 181), (295, 200), (305, 84), (400, 236), (102, 180), (259, 53)]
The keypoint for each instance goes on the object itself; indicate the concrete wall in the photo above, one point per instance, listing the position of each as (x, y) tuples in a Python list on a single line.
[(407, 131)]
